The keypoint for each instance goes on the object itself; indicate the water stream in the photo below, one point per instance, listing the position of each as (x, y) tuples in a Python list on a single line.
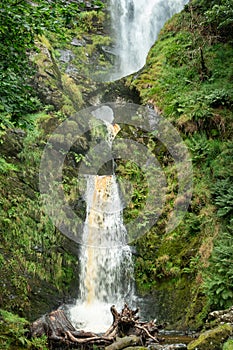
[(105, 259), (136, 24)]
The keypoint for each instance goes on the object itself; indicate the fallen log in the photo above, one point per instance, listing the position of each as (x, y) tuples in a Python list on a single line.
[(125, 342), (126, 328)]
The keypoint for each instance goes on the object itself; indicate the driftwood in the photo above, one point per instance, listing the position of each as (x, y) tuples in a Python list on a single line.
[(126, 325), (124, 342)]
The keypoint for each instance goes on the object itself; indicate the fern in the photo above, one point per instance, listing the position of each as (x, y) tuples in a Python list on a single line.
[(5, 167), (223, 193), (219, 276)]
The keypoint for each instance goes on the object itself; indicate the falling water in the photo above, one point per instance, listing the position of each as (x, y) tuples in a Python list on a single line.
[(106, 264), (105, 259), (136, 24)]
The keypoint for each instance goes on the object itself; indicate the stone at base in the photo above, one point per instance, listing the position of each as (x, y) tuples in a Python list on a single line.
[(212, 339)]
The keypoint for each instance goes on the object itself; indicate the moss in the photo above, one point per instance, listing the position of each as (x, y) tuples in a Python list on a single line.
[(37, 262), (188, 78), (212, 339), (228, 345), (72, 90), (174, 78)]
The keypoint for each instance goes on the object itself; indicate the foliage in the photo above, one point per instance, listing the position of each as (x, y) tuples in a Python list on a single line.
[(220, 17), (188, 77), (131, 172), (32, 251), (20, 22), (223, 197), (222, 166), (6, 167), (91, 21), (228, 345), (219, 275), (14, 333)]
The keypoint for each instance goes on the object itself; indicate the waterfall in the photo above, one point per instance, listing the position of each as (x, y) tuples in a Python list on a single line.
[(105, 259), (136, 24)]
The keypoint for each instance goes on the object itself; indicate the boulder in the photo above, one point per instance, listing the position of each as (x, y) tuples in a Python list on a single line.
[(212, 339)]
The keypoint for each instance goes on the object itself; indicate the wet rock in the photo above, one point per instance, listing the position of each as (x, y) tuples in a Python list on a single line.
[(72, 70), (66, 56), (108, 53), (78, 42), (222, 315), (212, 339)]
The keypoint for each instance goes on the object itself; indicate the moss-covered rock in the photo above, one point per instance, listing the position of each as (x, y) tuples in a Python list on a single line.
[(212, 339)]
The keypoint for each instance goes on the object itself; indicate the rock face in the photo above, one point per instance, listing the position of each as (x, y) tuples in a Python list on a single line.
[(212, 339), (12, 142)]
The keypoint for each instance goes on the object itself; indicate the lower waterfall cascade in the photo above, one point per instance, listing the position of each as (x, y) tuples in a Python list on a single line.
[(106, 267)]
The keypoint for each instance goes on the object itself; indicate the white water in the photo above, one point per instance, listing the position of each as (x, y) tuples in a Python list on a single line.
[(136, 24), (106, 264), (105, 259)]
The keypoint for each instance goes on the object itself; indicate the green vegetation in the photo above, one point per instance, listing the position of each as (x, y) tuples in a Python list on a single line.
[(228, 345), (188, 77), (38, 264), (20, 23), (32, 251), (14, 334)]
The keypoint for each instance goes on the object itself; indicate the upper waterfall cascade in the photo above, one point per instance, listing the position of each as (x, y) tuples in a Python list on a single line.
[(136, 24)]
